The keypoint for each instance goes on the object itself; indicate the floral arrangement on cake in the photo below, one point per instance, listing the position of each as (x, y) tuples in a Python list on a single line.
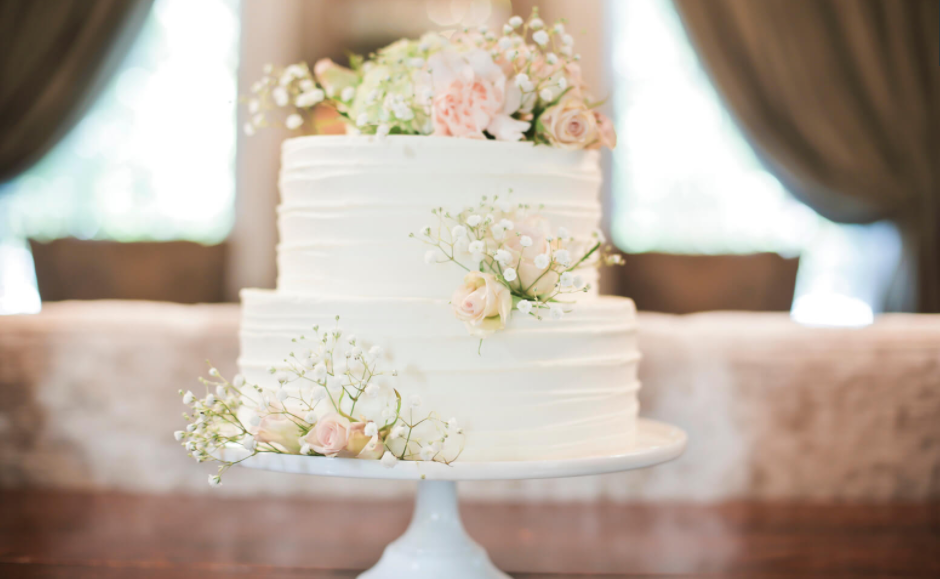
[(515, 261), (332, 401), (522, 83)]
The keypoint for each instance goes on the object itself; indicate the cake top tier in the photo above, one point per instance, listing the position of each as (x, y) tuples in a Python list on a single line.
[(436, 154), (349, 203)]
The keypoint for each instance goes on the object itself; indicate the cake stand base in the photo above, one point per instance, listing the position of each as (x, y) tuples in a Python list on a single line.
[(435, 544)]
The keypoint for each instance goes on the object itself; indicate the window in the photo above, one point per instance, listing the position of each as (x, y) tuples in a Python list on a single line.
[(153, 159), (686, 180)]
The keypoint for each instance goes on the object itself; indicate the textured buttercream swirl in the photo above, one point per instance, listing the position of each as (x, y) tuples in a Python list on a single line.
[(348, 204)]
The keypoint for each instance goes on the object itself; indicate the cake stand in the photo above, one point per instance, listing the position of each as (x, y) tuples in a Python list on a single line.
[(436, 544)]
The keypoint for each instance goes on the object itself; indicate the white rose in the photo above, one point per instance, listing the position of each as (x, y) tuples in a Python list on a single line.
[(482, 303)]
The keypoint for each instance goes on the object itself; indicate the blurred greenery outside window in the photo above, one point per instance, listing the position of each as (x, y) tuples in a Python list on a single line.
[(154, 157), (687, 182), (152, 160)]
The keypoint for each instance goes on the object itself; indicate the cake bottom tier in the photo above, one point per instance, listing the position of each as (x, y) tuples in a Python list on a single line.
[(537, 390)]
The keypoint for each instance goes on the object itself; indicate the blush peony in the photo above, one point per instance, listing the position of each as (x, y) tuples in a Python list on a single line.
[(471, 95)]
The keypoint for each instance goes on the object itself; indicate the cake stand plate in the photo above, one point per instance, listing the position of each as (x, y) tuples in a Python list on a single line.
[(436, 544)]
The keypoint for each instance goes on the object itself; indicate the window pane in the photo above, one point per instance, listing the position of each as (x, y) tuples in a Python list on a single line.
[(154, 158), (686, 180)]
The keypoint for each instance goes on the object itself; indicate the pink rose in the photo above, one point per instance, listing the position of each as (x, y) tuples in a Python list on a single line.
[(471, 96), (569, 124), (482, 303), (606, 135), (330, 435), (361, 445), (281, 430), (536, 280)]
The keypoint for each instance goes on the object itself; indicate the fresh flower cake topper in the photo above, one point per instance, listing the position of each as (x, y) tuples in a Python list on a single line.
[(515, 260), (520, 83), (332, 401)]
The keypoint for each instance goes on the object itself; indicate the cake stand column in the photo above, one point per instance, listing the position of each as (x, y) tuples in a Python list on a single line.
[(435, 544)]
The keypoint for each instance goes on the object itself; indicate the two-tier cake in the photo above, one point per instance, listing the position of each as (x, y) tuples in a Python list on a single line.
[(453, 230), (538, 389)]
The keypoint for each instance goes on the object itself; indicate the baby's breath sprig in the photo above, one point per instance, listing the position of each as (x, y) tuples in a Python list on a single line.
[(332, 399), (516, 247)]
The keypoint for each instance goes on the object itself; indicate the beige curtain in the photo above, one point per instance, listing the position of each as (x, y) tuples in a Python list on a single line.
[(55, 55), (841, 98)]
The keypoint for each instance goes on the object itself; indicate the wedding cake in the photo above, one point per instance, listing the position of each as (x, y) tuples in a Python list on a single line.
[(437, 293), (548, 389)]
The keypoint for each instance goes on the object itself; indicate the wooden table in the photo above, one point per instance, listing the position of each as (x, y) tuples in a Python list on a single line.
[(105, 536)]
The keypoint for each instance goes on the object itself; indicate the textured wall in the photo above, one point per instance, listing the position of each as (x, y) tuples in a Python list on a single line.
[(773, 410)]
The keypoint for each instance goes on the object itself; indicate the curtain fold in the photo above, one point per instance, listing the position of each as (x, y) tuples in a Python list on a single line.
[(841, 100), (55, 56)]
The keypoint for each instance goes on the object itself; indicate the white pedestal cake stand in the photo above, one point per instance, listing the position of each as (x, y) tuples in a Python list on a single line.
[(436, 544)]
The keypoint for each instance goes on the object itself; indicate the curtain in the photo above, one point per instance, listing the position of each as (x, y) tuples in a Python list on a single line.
[(55, 56), (841, 99)]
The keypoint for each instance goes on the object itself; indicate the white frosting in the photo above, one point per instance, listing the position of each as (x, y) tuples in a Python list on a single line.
[(540, 390), (348, 204)]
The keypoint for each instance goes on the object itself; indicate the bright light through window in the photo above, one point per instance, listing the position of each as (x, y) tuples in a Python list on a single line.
[(154, 158), (686, 180)]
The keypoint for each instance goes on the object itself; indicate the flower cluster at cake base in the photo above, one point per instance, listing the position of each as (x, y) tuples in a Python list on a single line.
[(332, 400), (515, 261), (522, 82)]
